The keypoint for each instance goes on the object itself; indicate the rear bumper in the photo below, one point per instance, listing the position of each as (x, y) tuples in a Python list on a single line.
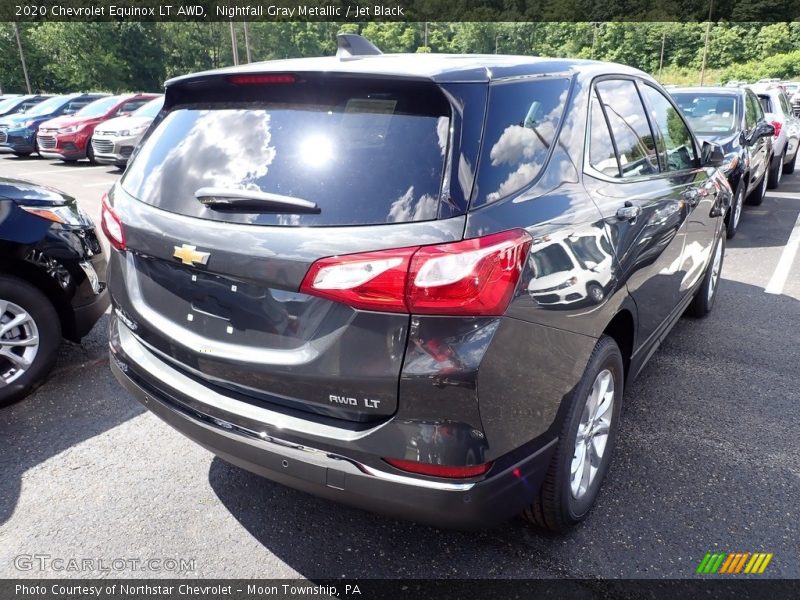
[(298, 460)]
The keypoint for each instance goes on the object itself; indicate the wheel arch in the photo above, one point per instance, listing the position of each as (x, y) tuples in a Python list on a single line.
[(622, 329), (45, 284)]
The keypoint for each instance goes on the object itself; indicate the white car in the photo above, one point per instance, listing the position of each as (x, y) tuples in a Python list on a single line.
[(571, 269), (113, 142), (785, 142)]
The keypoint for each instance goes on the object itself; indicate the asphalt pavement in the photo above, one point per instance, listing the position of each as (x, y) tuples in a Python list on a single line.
[(707, 459)]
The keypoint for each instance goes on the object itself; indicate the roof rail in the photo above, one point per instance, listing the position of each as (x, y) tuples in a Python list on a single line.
[(351, 44)]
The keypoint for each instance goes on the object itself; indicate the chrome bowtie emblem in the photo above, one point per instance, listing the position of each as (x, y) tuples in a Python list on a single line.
[(190, 256)]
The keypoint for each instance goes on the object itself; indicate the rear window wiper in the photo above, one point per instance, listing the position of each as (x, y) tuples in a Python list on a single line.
[(253, 201)]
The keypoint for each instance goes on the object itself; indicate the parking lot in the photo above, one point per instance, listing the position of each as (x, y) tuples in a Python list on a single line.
[(707, 460)]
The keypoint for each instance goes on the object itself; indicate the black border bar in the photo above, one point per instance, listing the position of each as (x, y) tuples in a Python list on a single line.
[(400, 10)]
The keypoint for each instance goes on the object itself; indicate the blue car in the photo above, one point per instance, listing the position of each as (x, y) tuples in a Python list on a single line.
[(19, 104), (18, 131)]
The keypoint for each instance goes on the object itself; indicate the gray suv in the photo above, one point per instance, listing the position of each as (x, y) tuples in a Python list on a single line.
[(417, 284)]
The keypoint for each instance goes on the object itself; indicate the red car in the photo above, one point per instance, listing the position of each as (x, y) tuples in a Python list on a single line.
[(69, 137)]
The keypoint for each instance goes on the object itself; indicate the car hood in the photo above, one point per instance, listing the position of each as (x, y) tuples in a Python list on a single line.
[(70, 121), (728, 141), (12, 121), (123, 123), (32, 194)]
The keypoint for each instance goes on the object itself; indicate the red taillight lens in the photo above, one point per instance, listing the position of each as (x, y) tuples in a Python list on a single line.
[(471, 277), (438, 470), (262, 79), (112, 225), (370, 281), (777, 125)]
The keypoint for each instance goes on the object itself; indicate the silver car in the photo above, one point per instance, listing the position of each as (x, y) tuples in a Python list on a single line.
[(114, 141), (778, 111)]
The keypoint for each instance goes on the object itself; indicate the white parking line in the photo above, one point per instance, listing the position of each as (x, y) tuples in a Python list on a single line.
[(62, 170), (104, 183), (40, 172), (778, 280)]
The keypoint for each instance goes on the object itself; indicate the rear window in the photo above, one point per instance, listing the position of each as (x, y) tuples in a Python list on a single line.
[(520, 128), (364, 152)]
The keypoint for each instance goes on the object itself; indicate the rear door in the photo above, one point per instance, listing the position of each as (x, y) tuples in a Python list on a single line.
[(213, 269)]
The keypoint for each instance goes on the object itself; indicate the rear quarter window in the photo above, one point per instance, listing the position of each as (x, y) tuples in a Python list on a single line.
[(364, 152), (521, 128)]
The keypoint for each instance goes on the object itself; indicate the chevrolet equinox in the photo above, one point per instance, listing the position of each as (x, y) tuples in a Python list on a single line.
[(416, 284)]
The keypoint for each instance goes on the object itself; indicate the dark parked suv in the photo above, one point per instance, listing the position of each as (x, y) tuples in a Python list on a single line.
[(52, 281), (734, 119), (327, 272)]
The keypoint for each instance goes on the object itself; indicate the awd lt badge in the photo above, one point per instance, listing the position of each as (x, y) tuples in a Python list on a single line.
[(190, 256)]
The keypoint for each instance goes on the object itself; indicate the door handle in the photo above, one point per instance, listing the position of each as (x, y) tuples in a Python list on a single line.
[(629, 212)]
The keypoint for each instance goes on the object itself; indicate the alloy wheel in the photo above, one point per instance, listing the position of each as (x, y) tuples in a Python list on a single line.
[(19, 341), (592, 437), (715, 270), (737, 210)]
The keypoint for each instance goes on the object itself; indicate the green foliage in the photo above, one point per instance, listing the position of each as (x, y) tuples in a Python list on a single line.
[(785, 66), (118, 56)]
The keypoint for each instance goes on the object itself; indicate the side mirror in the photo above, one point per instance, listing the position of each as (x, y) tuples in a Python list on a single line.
[(764, 129), (712, 156)]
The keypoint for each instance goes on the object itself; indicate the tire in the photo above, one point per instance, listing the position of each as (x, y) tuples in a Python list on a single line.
[(704, 297), (775, 173), (756, 197), (557, 506), (595, 292), (17, 299), (90, 152), (735, 212), (788, 168)]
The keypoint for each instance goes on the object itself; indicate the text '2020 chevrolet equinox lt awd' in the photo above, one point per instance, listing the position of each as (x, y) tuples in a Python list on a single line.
[(327, 271)]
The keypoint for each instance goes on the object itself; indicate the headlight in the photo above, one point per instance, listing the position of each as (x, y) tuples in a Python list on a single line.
[(568, 283), (130, 132), (65, 214), (72, 129), (730, 164)]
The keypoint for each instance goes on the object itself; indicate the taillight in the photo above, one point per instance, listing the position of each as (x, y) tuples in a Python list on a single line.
[(470, 277), (438, 470), (261, 79), (370, 281), (112, 225), (777, 125)]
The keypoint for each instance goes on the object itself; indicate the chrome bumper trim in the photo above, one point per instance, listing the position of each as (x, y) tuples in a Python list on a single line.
[(172, 378)]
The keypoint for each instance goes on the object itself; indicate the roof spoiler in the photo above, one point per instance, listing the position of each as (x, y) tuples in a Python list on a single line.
[(349, 45)]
